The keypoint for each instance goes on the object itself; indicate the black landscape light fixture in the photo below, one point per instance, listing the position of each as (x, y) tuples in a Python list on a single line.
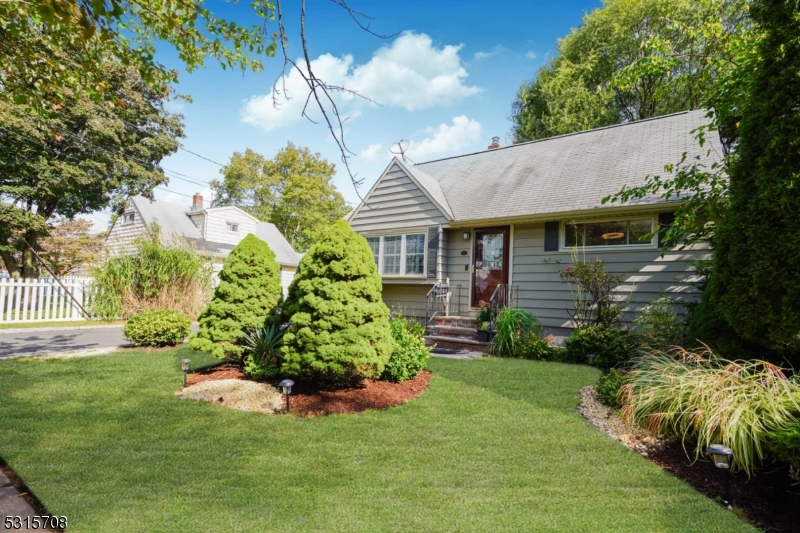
[(722, 456), (286, 387), (590, 358), (185, 367)]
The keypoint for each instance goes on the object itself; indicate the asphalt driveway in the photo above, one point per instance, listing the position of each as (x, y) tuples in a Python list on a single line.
[(31, 343)]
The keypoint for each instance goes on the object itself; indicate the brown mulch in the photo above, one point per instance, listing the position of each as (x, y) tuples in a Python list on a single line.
[(311, 398), (223, 371), (768, 499)]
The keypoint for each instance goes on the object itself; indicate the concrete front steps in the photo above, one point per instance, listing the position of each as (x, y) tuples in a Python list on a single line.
[(455, 333)]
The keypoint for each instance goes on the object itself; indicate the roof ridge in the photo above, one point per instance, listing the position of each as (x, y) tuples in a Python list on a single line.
[(563, 135)]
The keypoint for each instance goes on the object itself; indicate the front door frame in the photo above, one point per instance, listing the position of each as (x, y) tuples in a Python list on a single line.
[(506, 245)]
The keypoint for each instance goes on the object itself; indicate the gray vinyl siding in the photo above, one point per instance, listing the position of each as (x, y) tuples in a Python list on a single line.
[(121, 237), (410, 300), (645, 276), (396, 202)]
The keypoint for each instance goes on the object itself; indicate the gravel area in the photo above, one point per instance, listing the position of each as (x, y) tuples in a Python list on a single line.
[(236, 394), (606, 420)]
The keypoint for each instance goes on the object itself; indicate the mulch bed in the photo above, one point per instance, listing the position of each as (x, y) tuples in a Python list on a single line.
[(768, 499), (311, 398)]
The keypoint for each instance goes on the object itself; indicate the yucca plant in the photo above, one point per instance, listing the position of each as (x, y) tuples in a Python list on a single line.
[(705, 399), (514, 326), (262, 350)]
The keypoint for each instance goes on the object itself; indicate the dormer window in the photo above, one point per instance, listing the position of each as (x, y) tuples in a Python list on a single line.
[(128, 218), (232, 227)]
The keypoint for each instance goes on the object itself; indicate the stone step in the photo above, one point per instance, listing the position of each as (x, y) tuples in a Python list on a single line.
[(453, 331), (455, 343), (456, 321)]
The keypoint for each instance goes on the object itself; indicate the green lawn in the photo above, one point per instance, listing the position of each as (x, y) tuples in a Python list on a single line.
[(493, 445)]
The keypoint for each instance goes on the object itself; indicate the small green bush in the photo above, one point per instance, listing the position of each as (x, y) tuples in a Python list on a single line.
[(513, 328), (611, 346), (657, 326), (410, 355), (262, 351), (160, 327), (538, 349), (609, 384), (785, 446)]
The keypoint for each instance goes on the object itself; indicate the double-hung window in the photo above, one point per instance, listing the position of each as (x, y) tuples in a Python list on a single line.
[(399, 255), (607, 233)]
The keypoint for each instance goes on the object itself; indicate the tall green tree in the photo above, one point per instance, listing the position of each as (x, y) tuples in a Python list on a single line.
[(78, 158), (294, 191), (338, 324), (754, 284), (629, 60)]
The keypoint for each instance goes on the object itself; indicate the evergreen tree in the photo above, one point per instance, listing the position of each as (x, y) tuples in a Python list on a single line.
[(754, 284), (339, 326), (247, 294)]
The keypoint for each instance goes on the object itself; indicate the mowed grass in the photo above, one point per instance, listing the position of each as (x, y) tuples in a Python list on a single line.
[(493, 445)]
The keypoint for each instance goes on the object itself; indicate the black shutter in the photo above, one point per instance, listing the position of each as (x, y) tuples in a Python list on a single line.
[(551, 236), (664, 222), (433, 250)]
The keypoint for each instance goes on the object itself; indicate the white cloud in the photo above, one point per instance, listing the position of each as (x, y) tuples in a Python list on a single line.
[(493, 52), (411, 73), (374, 152), (447, 140), (531, 55)]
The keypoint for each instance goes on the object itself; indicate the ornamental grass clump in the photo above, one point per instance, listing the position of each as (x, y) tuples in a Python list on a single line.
[(248, 292), (338, 324), (155, 276), (705, 399), (513, 329)]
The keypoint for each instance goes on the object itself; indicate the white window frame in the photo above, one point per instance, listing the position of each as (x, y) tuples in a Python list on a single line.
[(402, 273), (629, 247), (125, 216), (234, 225)]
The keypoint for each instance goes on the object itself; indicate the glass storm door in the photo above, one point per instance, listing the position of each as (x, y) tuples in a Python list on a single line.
[(489, 262)]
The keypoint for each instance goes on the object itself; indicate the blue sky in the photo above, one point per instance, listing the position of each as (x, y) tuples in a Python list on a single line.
[(445, 83)]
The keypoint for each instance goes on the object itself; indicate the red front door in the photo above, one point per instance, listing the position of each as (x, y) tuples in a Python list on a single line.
[(489, 262)]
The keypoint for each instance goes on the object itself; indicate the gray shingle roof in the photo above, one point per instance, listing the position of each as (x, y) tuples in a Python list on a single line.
[(284, 253), (176, 225), (570, 172)]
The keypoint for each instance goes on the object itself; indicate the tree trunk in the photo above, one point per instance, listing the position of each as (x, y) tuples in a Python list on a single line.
[(30, 269), (11, 264)]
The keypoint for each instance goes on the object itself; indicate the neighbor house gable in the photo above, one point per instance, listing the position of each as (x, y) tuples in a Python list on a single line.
[(401, 198)]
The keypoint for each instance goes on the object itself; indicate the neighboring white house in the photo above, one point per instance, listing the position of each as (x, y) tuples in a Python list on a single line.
[(503, 221), (213, 231)]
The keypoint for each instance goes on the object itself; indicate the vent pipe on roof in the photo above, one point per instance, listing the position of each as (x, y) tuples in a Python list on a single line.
[(495, 143), (197, 202)]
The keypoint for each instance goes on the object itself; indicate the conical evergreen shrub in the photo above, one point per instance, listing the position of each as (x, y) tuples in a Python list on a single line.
[(339, 326), (246, 296)]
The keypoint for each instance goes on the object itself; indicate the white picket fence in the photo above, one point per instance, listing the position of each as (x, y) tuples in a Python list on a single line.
[(44, 300)]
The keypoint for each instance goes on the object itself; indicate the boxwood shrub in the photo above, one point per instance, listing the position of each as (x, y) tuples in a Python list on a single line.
[(611, 346), (160, 327), (410, 355)]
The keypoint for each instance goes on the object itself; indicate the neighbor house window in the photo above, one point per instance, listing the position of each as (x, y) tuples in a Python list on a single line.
[(232, 227), (399, 255), (128, 218), (607, 233)]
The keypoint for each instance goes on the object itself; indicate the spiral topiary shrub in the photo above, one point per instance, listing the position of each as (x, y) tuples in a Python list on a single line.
[(247, 294), (338, 323), (160, 327)]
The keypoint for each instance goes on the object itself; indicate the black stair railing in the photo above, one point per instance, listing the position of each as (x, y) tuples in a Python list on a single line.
[(504, 295), (444, 299)]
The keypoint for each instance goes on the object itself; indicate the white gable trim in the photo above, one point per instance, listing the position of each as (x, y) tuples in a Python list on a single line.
[(444, 211)]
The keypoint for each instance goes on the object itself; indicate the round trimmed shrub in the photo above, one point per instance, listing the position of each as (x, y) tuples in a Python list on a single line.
[(410, 355), (611, 346), (160, 327), (338, 326), (609, 384)]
